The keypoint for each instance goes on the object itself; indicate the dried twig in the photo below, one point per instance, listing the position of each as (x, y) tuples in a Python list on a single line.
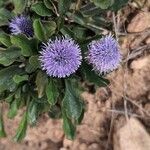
[(147, 31), (115, 25), (55, 9), (122, 112), (78, 4), (137, 51), (111, 127), (136, 104)]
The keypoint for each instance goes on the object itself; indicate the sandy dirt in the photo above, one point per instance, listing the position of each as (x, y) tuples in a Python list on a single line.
[(110, 108)]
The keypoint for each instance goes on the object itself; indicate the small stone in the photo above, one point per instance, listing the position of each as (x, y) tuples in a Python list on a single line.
[(63, 148), (94, 146), (83, 146), (148, 96), (132, 136), (67, 143), (140, 22), (147, 107), (59, 134), (148, 40), (140, 63)]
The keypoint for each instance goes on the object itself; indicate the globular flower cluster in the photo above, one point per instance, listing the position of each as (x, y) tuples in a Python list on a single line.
[(104, 54), (21, 24), (61, 57)]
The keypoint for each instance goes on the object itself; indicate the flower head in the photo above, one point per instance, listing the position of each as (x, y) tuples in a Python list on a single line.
[(21, 24), (61, 57), (104, 54)]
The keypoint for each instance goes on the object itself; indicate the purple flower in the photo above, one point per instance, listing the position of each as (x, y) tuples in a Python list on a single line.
[(61, 57), (21, 24), (104, 54)]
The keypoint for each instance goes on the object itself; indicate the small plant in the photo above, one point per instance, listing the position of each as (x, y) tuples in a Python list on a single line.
[(47, 49)]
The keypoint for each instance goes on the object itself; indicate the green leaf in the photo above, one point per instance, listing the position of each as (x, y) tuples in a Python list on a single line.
[(5, 16), (96, 25), (28, 47), (41, 82), (10, 98), (78, 18), (100, 21), (18, 93), (52, 92), (48, 4), (29, 68), (118, 4), (71, 103), (50, 28), (43, 30), (17, 78), (9, 56), (92, 77), (80, 32), (41, 9), (20, 6), (68, 127), (91, 10), (21, 131), (66, 31), (63, 6), (2, 131), (60, 22), (6, 78), (39, 30), (13, 109), (32, 112), (1, 3), (81, 117), (88, 40), (5, 39), (3, 22), (34, 61), (103, 4), (33, 64)]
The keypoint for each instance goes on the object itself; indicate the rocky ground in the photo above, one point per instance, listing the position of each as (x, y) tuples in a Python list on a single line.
[(117, 117)]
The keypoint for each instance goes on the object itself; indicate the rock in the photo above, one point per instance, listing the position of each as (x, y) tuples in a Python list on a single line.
[(67, 143), (83, 146), (147, 107), (148, 40), (63, 148), (140, 22), (132, 136), (94, 146), (148, 96), (140, 63)]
